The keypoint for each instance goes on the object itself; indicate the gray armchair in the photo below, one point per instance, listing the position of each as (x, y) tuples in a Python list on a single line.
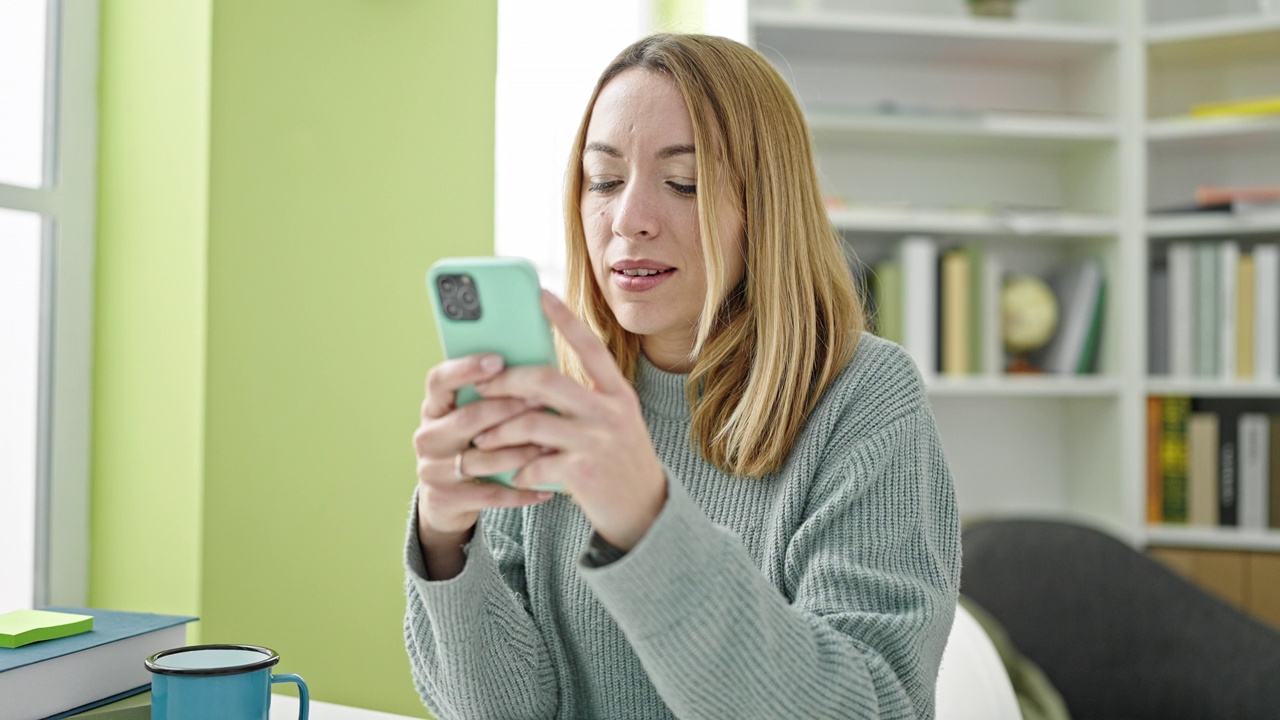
[(1117, 633)]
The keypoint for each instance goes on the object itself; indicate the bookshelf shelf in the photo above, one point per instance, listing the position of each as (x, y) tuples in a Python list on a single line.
[(1024, 387), (1215, 39), (1223, 538), (1191, 225), (1034, 225), (1214, 130), (926, 38), (999, 128), (1213, 388)]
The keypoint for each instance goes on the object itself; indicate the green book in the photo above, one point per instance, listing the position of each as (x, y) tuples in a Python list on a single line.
[(23, 627), (888, 291), (137, 707)]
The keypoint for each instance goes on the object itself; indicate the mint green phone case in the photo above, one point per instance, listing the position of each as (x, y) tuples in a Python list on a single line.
[(506, 318)]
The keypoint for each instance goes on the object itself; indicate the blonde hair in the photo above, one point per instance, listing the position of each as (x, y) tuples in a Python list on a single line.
[(767, 349)]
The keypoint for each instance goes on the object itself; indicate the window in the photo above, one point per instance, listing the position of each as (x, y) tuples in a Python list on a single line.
[(48, 68)]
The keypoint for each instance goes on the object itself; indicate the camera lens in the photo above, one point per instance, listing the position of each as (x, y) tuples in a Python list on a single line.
[(467, 296), (448, 285), (452, 310)]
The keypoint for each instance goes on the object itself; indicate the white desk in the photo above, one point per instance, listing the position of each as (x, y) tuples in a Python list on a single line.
[(285, 707)]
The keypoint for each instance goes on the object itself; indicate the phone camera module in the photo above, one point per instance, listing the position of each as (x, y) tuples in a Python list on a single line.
[(458, 297)]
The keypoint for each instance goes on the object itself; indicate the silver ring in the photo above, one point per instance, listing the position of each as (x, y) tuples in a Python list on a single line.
[(457, 467)]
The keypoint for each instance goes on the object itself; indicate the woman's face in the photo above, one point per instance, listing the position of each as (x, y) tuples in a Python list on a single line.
[(640, 214)]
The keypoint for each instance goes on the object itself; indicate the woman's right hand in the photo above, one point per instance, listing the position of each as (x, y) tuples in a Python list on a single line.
[(449, 503)]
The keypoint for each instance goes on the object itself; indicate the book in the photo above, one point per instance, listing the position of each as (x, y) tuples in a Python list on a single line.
[(1228, 269), (1266, 311), (1228, 411), (1207, 195), (1158, 321), (1155, 494), (919, 257), (1245, 305), (1246, 106), (955, 315), (1182, 317), (135, 707), (1207, 315), (990, 326), (1202, 469), (1175, 413), (1254, 439), (1273, 475), (1081, 291), (54, 678), (888, 291), (23, 627)]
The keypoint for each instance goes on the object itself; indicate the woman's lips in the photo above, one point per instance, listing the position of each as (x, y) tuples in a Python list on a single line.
[(641, 283)]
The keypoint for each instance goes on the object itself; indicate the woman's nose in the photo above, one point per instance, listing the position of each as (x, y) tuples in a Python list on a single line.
[(636, 214)]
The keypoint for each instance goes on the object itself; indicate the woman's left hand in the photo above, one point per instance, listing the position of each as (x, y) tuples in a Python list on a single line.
[(598, 446)]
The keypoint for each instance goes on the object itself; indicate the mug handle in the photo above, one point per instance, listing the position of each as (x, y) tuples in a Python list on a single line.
[(304, 698)]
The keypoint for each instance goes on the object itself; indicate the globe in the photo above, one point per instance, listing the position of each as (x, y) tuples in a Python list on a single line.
[(1029, 314)]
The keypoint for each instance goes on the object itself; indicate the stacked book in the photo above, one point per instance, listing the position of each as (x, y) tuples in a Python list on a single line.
[(1214, 311), (1214, 462), (58, 667), (943, 305)]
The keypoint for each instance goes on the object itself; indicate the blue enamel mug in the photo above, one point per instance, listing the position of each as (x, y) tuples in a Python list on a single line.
[(217, 682)]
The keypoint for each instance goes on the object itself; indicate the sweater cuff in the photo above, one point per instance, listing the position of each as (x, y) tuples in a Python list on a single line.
[(649, 588), (479, 561)]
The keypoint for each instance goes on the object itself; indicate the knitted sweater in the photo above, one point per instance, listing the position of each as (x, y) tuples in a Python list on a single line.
[(824, 590)]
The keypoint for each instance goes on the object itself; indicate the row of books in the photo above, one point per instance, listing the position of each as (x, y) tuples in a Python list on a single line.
[(1213, 462), (88, 674), (944, 306), (1215, 312)]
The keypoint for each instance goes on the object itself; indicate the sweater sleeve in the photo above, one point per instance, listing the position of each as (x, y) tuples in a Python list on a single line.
[(473, 646), (858, 631)]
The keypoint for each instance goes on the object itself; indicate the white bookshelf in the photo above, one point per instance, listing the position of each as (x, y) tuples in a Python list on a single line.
[(930, 122)]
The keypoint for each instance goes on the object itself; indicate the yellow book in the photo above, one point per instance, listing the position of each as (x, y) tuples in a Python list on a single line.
[(956, 277), (1252, 106), (1244, 317)]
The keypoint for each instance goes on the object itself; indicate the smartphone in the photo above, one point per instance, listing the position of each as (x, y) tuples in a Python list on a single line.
[(491, 305)]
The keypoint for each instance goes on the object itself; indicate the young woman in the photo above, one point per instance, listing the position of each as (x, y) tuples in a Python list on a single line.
[(759, 521)]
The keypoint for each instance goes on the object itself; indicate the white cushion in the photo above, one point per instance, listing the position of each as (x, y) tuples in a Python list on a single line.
[(972, 682)]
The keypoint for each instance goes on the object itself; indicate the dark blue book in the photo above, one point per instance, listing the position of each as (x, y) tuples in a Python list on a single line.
[(57, 678)]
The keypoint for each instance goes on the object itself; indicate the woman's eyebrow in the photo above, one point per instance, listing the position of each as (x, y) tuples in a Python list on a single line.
[(674, 150), (609, 150)]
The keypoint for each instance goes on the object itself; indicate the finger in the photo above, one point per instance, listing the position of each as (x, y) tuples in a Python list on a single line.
[(483, 463), (541, 385), (444, 436), (555, 432), (597, 361), (445, 379)]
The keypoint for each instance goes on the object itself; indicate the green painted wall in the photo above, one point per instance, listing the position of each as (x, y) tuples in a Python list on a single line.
[(149, 345), (347, 144)]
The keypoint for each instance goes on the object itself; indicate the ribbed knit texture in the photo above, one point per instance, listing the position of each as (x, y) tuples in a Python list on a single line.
[(824, 590)]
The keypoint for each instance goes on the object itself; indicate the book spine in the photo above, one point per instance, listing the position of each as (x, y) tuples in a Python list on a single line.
[(993, 361), (1207, 317), (975, 254), (920, 300), (1245, 305), (1228, 277), (1273, 475), (1158, 325), (1255, 436), (1182, 316), (955, 313), (1202, 469), (1155, 426), (888, 289), (1175, 413), (1266, 315)]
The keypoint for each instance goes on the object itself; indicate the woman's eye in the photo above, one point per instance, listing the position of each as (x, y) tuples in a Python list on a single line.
[(683, 189), (604, 185)]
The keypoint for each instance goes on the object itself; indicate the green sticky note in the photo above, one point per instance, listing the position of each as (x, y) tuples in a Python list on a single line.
[(23, 627)]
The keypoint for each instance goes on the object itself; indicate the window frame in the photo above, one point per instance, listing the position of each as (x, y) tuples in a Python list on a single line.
[(67, 203)]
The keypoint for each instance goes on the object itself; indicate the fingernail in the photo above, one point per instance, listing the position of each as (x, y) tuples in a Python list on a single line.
[(491, 363)]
